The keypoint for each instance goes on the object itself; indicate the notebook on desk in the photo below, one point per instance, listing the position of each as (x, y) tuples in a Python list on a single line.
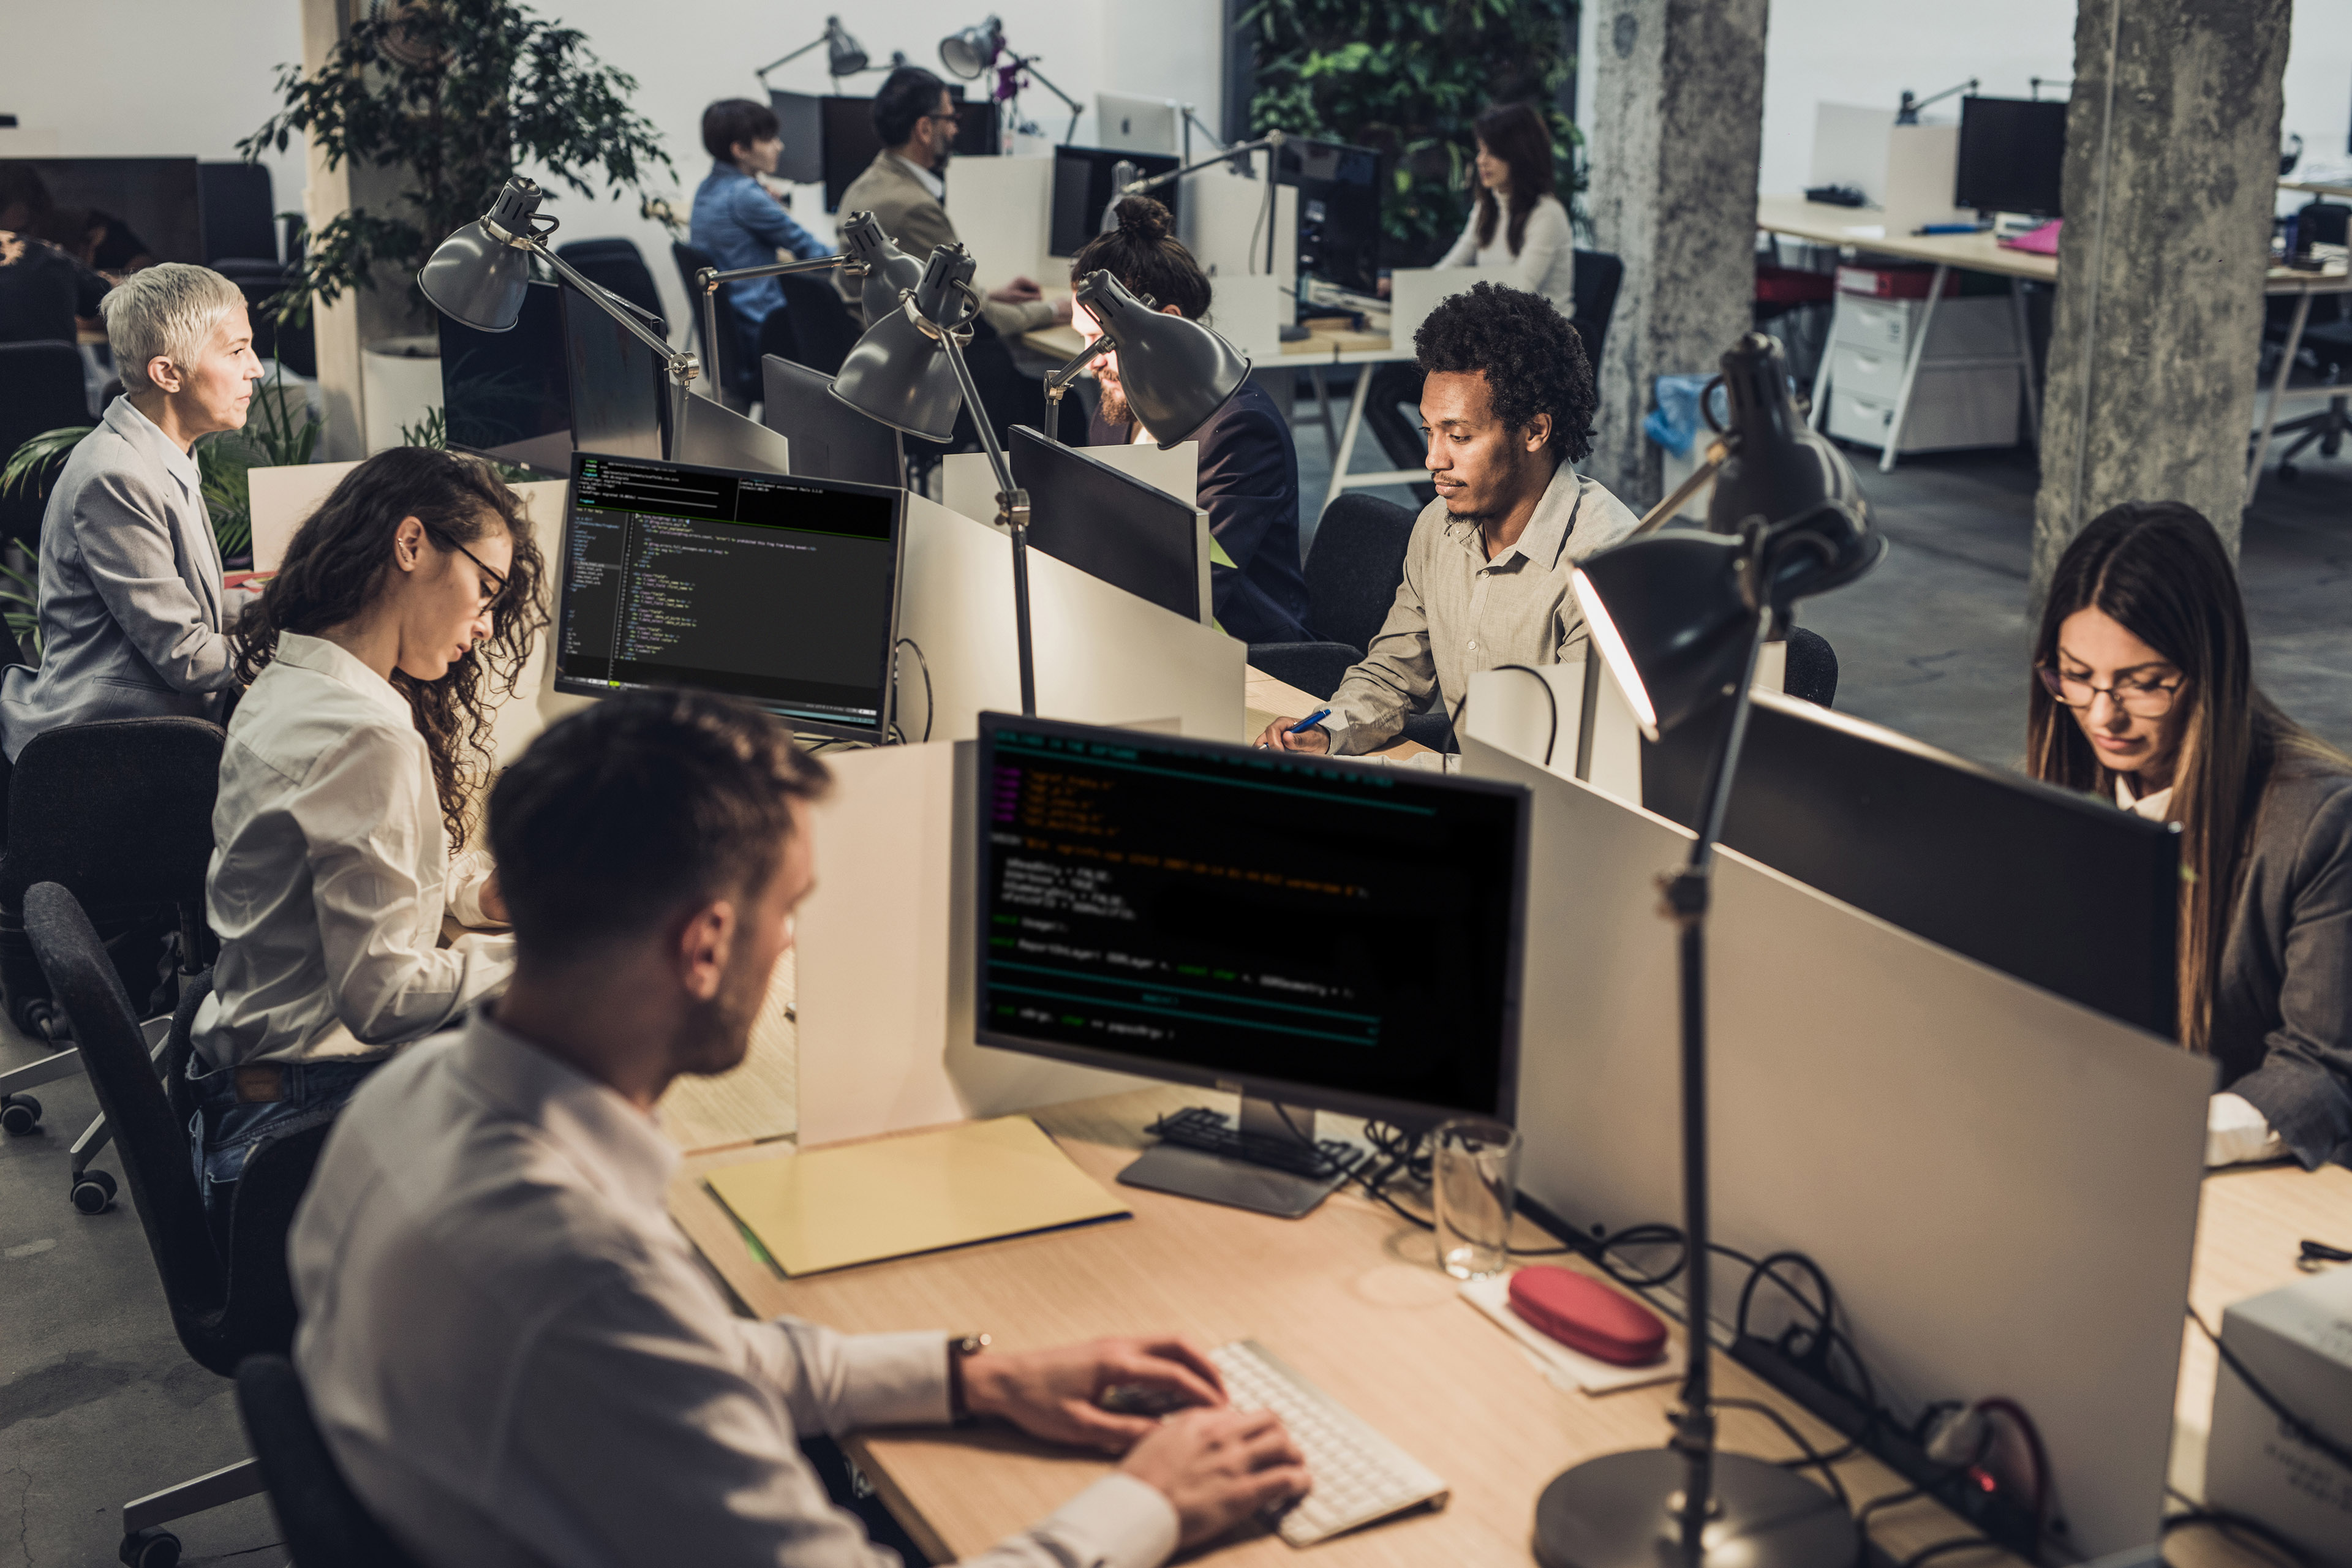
[(919, 1191)]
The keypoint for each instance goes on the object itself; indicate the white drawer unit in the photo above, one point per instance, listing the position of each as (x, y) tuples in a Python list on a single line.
[(1969, 327), (1953, 408), (1926, 375)]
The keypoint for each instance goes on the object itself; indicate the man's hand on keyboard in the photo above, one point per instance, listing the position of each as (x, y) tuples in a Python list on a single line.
[(1056, 1393), (1220, 1467)]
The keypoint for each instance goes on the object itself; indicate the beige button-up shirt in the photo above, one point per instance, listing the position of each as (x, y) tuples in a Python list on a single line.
[(1457, 612)]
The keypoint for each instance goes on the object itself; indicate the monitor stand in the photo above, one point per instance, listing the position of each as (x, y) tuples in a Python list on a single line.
[(1234, 1177)]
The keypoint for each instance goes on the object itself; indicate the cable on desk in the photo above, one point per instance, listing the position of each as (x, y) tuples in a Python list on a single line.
[(2230, 1525), (2295, 1425), (925, 664), (1549, 696), (1813, 1459), (1946, 1549)]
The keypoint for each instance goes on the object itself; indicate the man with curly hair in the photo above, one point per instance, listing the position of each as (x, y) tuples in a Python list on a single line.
[(1507, 406)]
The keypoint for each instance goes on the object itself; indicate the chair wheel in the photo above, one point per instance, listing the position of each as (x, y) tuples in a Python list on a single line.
[(20, 1114), (150, 1549), (93, 1193)]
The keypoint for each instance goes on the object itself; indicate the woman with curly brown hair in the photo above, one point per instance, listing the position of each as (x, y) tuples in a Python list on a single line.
[(345, 792)]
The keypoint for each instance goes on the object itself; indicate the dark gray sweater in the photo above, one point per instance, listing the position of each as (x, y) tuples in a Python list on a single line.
[(2283, 1010)]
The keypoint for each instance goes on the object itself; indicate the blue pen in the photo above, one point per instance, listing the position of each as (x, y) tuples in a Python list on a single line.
[(1309, 721)]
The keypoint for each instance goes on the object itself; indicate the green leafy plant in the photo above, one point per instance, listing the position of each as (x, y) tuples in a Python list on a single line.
[(433, 431), (456, 95), (1409, 79)]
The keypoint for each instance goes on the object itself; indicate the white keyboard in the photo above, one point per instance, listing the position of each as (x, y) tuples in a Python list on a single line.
[(1359, 1475)]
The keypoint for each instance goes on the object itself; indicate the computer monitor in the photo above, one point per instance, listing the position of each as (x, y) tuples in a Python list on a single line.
[(620, 391), (1138, 124), (1086, 181), (1108, 524), (829, 439), (2062, 891), (2012, 154), (707, 434), (1338, 211), (782, 591), (1311, 932), (507, 396), (850, 140), (157, 205), (800, 120)]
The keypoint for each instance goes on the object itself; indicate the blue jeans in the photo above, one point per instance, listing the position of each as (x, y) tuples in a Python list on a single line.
[(238, 1108)]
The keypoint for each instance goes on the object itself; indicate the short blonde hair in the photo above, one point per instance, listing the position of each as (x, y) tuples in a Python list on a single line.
[(165, 312)]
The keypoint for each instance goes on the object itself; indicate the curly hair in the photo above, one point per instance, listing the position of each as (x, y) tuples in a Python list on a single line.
[(339, 563), (1532, 358)]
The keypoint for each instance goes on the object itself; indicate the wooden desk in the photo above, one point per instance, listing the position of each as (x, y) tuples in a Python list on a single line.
[(1265, 699), (1351, 1295)]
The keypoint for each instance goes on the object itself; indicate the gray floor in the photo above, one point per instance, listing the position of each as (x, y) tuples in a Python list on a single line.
[(97, 1404)]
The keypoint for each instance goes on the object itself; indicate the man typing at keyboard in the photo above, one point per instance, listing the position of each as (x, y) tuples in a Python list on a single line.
[(516, 1358)]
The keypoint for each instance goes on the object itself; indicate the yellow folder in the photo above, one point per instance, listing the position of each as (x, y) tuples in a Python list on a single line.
[(888, 1197)]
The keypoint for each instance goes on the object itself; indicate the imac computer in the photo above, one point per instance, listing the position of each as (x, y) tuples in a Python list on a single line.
[(781, 591), (1086, 181), (849, 140), (1127, 124), (2013, 153), (620, 392), (507, 395), (1109, 526), (1313, 933), (2059, 889), (829, 439), (1338, 211)]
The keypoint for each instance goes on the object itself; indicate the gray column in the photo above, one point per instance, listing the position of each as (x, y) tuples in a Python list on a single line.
[(2171, 176), (1676, 126)]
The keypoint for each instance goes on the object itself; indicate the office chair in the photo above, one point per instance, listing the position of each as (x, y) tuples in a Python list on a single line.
[(239, 211), (2327, 344), (1352, 571), (323, 1518), (1598, 276), (617, 265), (690, 260), (822, 326), (41, 389), (228, 1301), (1812, 672), (119, 813)]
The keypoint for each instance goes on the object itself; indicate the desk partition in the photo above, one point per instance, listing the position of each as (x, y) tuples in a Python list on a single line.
[(2002, 1184)]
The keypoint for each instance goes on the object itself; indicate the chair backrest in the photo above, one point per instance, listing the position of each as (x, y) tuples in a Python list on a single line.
[(2322, 222), (1811, 673), (620, 266), (240, 214), (822, 326), (1598, 276), (40, 389), (120, 812), (1354, 566), (691, 259), (151, 1141), (323, 1518)]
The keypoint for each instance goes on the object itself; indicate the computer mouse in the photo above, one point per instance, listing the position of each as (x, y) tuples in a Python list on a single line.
[(1587, 1316)]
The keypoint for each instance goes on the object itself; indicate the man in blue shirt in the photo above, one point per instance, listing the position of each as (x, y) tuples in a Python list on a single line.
[(739, 224)]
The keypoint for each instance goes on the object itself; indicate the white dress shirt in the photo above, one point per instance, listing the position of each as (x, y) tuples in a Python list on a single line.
[(1546, 262), (518, 1360), (330, 873), (2235, 1132), (929, 180)]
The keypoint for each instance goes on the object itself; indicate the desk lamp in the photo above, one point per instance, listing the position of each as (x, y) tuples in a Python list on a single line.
[(969, 53), (844, 56), (908, 371), (866, 252), (1680, 617)]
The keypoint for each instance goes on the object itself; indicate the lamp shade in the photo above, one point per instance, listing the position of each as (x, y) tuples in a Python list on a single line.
[(1783, 473), (973, 50), (477, 277), (1177, 374), (899, 373), (889, 271), (1667, 613), (844, 56)]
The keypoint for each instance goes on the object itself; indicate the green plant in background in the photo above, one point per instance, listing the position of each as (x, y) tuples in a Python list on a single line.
[(456, 95), (433, 431), (1408, 79)]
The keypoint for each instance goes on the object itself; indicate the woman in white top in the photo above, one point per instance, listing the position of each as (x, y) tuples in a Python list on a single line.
[(345, 787), (1518, 227)]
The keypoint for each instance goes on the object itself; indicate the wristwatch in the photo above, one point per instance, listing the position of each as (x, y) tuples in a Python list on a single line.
[(960, 1349)]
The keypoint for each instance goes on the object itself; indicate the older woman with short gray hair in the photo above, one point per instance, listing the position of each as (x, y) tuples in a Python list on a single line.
[(133, 615)]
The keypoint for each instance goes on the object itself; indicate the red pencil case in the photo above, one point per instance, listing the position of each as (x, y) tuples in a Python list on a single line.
[(1587, 1316)]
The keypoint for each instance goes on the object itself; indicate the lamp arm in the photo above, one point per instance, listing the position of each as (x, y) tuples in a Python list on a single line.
[(1271, 141), (683, 367), (707, 280), (763, 72), (1023, 63), (1664, 512), (1057, 382), (1011, 508)]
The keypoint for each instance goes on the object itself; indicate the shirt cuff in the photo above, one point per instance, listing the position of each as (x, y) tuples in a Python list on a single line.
[(2236, 1133), (895, 1380), (1118, 1522)]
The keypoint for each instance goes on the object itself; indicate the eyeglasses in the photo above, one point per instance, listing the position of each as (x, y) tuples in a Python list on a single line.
[(497, 579), (2140, 698)]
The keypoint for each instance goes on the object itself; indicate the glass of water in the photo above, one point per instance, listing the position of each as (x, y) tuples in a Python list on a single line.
[(1475, 1171)]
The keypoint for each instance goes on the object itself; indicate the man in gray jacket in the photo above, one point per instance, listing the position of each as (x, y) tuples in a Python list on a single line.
[(134, 620)]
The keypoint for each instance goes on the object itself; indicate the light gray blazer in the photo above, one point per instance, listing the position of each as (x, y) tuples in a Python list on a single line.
[(133, 616)]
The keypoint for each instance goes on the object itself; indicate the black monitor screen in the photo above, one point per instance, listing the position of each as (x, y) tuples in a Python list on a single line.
[(2061, 891), (1085, 182), (2012, 153), (1325, 933), (1338, 211), (1108, 524), (827, 438), (620, 393), (799, 122), (851, 141), (775, 589), (508, 394), (121, 213)]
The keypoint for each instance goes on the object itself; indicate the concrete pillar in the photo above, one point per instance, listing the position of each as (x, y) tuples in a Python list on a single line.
[(1676, 126), (2172, 141)]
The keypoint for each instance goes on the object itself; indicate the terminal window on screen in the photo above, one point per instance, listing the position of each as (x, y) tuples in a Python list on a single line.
[(1325, 925), (764, 588)]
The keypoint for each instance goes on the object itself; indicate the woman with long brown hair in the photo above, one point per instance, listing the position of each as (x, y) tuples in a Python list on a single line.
[(1517, 225), (346, 786), (2145, 692)]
